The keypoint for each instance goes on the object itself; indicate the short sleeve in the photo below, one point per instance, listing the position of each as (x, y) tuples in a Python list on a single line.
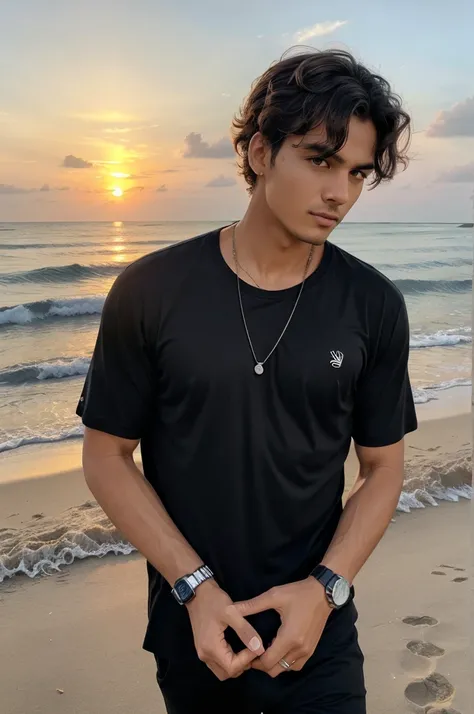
[(119, 386), (384, 408)]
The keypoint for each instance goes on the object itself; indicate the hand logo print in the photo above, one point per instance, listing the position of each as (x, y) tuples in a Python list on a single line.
[(337, 358)]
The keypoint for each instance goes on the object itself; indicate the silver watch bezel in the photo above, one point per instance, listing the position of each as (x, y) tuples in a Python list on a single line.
[(193, 580), (341, 581)]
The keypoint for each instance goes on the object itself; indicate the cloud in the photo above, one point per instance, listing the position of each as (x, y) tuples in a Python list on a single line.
[(167, 171), (45, 187), (10, 189), (458, 174), (118, 130), (128, 129), (318, 30), (221, 182), (74, 162), (457, 121), (196, 148), (107, 117), (162, 188)]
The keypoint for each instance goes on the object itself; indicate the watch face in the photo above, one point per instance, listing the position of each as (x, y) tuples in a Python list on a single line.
[(184, 590), (341, 592)]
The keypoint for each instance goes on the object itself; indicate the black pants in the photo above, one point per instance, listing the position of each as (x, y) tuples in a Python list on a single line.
[(331, 682)]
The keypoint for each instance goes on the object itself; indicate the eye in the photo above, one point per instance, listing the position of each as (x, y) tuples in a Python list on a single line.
[(362, 175), (317, 161)]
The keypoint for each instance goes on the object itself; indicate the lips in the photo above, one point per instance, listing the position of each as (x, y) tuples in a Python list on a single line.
[(327, 216)]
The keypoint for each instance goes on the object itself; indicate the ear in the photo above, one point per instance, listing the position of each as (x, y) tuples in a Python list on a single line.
[(259, 154)]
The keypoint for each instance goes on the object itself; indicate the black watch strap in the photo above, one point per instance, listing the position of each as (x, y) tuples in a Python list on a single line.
[(324, 575)]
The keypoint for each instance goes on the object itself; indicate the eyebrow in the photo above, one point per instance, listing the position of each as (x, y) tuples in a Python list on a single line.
[(325, 149)]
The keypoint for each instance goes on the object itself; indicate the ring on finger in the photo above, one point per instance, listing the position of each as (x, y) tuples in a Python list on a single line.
[(286, 665)]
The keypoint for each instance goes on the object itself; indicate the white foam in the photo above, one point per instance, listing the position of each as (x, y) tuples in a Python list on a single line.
[(429, 496), (61, 368), (72, 433), (75, 306), (18, 315), (51, 560), (428, 393), (439, 339)]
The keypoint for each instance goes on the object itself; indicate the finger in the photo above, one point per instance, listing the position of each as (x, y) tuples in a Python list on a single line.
[(218, 671), (265, 601), (246, 632), (232, 664), (296, 665), (242, 661), (281, 646)]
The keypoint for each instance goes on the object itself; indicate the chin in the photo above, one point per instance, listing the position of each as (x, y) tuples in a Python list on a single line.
[(314, 237)]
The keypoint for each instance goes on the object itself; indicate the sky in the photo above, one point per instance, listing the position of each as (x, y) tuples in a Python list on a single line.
[(121, 109)]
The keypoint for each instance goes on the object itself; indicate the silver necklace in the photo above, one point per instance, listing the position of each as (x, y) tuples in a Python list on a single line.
[(247, 273), (258, 368)]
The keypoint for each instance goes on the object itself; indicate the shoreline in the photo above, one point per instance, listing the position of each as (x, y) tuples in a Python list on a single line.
[(50, 518), (45, 459)]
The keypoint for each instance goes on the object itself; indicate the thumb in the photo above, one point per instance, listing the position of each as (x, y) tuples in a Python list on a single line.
[(262, 602), (246, 632)]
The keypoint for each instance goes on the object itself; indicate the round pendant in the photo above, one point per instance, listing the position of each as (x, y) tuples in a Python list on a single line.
[(258, 368)]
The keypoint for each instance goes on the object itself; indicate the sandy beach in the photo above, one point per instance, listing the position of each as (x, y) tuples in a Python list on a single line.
[(71, 642)]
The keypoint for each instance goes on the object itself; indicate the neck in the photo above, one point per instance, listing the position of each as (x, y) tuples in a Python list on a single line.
[(267, 248)]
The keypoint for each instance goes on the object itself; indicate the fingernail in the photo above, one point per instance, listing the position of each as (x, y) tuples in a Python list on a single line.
[(254, 644)]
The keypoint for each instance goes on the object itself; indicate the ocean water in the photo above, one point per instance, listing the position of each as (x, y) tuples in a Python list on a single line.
[(53, 281)]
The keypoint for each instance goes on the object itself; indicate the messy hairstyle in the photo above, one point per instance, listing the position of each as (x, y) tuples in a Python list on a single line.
[(316, 88)]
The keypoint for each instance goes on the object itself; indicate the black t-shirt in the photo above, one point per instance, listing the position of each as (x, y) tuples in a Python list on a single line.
[(250, 468)]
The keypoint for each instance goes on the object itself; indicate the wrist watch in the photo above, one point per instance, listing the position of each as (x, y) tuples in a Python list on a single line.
[(338, 590), (185, 588)]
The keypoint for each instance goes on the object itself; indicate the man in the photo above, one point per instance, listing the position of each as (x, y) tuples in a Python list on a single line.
[(244, 361)]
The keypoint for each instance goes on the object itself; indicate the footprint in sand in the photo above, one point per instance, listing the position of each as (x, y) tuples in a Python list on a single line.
[(425, 649), (420, 621), (419, 657), (432, 690), (452, 567), (431, 710), (459, 579)]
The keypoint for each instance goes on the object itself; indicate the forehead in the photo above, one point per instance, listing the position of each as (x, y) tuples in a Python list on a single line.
[(360, 142)]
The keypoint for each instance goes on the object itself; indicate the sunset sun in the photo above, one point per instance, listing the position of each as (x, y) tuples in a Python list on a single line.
[(117, 192)]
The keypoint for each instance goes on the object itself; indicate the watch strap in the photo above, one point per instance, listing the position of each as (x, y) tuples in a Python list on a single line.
[(199, 576), (324, 575)]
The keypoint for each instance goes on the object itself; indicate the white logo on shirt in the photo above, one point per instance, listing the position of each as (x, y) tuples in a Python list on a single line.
[(337, 358)]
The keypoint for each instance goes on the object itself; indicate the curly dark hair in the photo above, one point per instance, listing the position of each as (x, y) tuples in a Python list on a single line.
[(322, 88)]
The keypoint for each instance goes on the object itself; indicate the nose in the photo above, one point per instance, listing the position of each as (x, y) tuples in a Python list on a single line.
[(336, 188)]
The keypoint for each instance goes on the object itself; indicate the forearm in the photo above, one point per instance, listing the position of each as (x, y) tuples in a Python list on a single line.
[(365, 518), (135, 509)]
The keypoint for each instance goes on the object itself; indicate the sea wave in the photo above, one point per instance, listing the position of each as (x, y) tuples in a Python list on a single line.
[(44, 545), (422, 395), (81, 244), (47, 309), (74, 432), (55, 369), (414, 287), (63, 273), (428, 481), (426, 264), (442, 338)]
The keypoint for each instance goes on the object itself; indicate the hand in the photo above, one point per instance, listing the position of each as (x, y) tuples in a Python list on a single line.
[(304, 610), (211, 612)]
